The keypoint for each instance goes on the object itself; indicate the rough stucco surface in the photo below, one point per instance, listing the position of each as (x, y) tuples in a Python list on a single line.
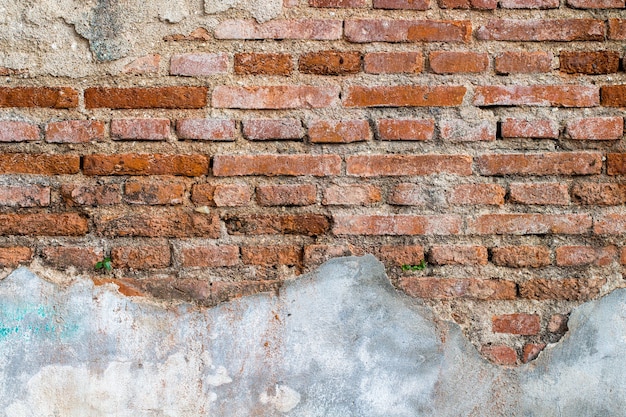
[(341, 341)]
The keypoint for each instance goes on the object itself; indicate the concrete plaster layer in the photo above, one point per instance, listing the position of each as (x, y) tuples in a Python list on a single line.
[(338, 342)]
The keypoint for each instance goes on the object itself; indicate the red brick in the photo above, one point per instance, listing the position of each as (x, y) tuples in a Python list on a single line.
[(206, 129), (451, 62), (274, 224), (542, 30), (617, 29), (24, 196), (599, 194), (613, 95), (314, 29), (335, 131), (402, 4), (74, 131), (263, 64), (9, 72), (562, 163), (43, 224), (531, 351), (468, 4), (521, 256), (273, 129), (457, 130), (521, 128), (558, 323), (351, 195), (596, 128), (170, 223), (199, 65), (232, 195), (148, 64), (520, 323), (140, 129), (539, 193), (162, 191), (146, 98), (275, 97), (600, 62), (405, 129), (199, 34), (11, 257), (202, 194), (570, 289), (39, 164), (499, 354), (537, 95), (145, 164), (408, 194), (529, 224), (272, 255), (91, 195), (399, 255), (385, 30), (286, 195), (622, 258), (52, 97), (596, 4), (272, 165), (330, 63), (585, 255), (315, 255), (450, 288), (523, 62), (210, 256), (394, 62), (400, 165), (610, 224), (84, 258), (396, 225), (141, 257), (530, 4), (616, 163), (13, 131), (404, 96), (458, 255), (337, 3), (477, 194)]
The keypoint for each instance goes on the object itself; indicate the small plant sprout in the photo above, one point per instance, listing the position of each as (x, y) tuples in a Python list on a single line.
[(419, 267), (104, 265)]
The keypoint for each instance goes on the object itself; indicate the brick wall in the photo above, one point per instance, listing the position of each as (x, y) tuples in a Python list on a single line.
[(482, 136)]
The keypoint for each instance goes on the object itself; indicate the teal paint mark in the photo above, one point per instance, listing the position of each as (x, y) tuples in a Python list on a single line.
[(34, 321)]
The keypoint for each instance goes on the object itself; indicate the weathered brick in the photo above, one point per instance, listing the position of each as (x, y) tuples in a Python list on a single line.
[(13, 131), (537, 95), (450, 288), (315, 255), (458, 255), (145, 164), (330, 63), (286, 195), (558, 323), (43, 224), (405, 129), (596, 4), (396, 225), (458, 130), (24, 196), (402, 4), (206, 129), (313, 29), (12, 256), (610, 224), (91, 195), (39, 164), (542, 30), (531, 351), (385, 30), (539, 193), (599, 194), (209, 256), (408, 194), (529, 224), (275, 97), (273, 129), (146, 98), (351, 195), (519, 323), (141, 257), (622, 259), (263, 64), (613, 95), (337, 3), (199, 65), (401, 165), (404, 96), (199, 34), (570, 289), (585, 255), (530, 4), (74, 131), (521, 256), (339, 131), (274, 255), (148, 64), (232, 195), (202, 194), (51, 97), (170, 223), (477, 194), (500, 354), (616, 163), (272, 224), (557, 163), (596, 128), (84, 258), (452, 62), (272, 165), (140, 129), (399, 255), (521, 128), (617, 29), (468, 4), (599, 62), (394, 62), (520, 62), (162, 191)]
